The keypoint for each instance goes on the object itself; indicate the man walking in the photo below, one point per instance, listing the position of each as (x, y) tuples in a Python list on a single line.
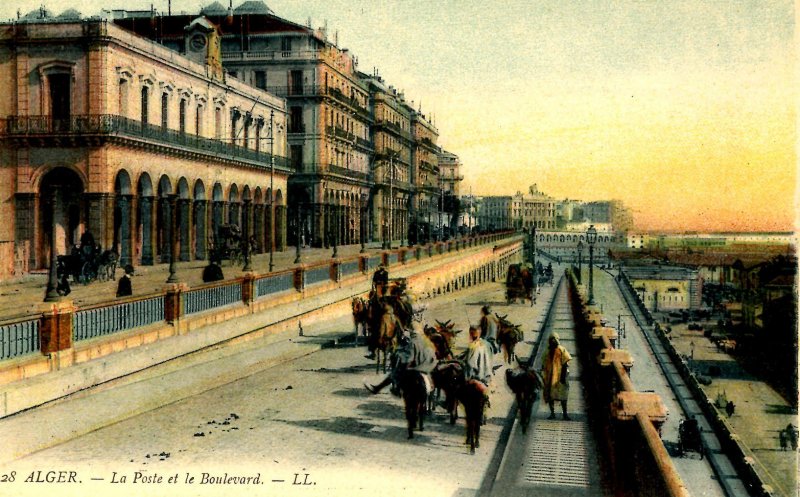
[(556, 376), (489, 326)]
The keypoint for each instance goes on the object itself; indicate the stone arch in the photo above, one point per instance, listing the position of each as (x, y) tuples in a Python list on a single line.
[(60, 214), (184, 220), (144, 223), (122, 240), (233, 205)]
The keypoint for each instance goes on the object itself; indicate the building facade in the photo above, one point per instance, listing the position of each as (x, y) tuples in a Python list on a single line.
[(112, 134)]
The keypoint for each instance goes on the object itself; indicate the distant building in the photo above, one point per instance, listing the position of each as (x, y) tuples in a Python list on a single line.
[(666, 288)]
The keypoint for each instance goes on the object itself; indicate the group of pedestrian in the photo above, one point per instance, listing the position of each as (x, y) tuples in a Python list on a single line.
[(788, 437)]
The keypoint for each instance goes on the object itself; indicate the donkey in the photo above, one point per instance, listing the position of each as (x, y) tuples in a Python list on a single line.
[(525, 383), (508, 336), (472, 395), (415, 397), (448, 377)]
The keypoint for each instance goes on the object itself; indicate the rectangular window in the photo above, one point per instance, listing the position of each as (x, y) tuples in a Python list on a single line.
[(145, 105), (123, 97), (198, 121), (164, 110), (218, 124), (295, 82), (182, 116), (297, 157), (286, 44), (261, 80), (296, 120)]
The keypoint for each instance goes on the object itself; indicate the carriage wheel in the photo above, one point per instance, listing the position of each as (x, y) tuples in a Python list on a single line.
[(87, 273)]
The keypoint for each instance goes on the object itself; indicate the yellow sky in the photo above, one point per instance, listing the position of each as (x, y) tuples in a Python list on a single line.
[(685, 110)]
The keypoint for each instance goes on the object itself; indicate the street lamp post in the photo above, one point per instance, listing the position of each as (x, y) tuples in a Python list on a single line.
[(51, 294), (335, 230), (173, 247), (298, 254), (591, 238), (580, 260), (246, 237), (271, 189), (362, 223)]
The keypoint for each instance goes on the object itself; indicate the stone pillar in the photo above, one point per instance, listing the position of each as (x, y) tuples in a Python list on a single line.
[(125, 238), (55, 327), (280, 227), (200, 232), (249, 288), (185, 225), (173, 302), (100, 218), (146, 207), (258, 228)]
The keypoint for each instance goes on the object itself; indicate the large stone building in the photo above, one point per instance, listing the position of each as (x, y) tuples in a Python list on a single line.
[(110, 133), (666, 288), (362, 159), (393, 168), (330, 120)]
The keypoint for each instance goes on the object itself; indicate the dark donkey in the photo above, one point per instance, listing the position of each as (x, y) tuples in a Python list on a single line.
[(472, 395), (525, 383), (415, 398), (448, 377), (508, 336)]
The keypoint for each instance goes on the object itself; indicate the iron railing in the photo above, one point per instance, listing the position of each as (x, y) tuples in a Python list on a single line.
[(316, 275), (274, 284), (205, 299), (18, 339), (101, 321), (111, 124), (349, 267), (347, 172)]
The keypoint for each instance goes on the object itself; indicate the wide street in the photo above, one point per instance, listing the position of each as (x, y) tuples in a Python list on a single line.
[(308, 421)]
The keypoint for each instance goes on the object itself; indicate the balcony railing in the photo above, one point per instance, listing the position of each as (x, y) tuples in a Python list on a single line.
[(346, 172), (110, 124), (395, 128)]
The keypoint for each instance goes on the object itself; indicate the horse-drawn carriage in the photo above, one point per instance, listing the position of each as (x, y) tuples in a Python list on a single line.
[(87, 263), (519, 283), (689, 437), (228, 245)]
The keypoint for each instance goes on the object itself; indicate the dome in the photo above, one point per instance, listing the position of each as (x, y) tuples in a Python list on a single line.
[(252, 7), (214, 9), (38, 15), (69, 14)]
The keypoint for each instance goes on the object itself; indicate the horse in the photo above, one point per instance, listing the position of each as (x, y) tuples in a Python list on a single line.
[(508, 336), (108, 265), (386, 342), (415, 396), (360, 315), (472, 395), (525, 383), (448, 376)]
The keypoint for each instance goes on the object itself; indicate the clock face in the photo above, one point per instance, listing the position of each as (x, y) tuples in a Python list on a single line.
[(198, 42)]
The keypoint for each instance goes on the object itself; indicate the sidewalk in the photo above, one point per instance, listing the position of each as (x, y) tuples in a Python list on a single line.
[(23, 298)]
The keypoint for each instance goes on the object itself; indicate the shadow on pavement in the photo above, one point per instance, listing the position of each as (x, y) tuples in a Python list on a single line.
[(779, 409), (360, 369)]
